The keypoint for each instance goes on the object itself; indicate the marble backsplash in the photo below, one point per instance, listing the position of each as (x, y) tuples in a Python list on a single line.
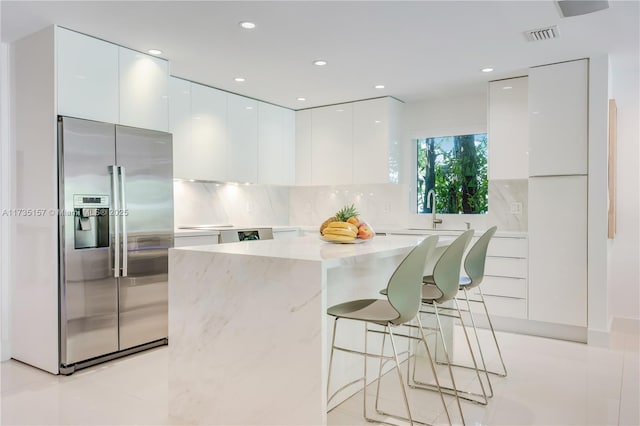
[(198, 203), (383, 205)]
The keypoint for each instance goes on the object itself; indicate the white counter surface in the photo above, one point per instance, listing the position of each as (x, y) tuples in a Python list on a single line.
[(314, 249)]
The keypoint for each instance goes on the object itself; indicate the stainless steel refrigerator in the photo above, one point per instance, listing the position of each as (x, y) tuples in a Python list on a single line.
[(116, 226)]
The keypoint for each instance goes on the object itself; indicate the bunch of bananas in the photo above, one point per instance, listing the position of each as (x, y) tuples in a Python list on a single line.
[(340, 231)]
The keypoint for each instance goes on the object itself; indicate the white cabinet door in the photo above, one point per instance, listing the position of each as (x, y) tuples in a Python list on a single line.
[(558, 102), (508, 129), (303, 147), (289, 144), (371, 141), (87, 77), (242, 145), (276, 144), (558, 250), (332, 145), (208, 133), (180, 127), (144, 90)]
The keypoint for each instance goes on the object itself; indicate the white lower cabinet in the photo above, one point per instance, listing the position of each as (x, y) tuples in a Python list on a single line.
[(505, 281), (194, 240), (558, 250)]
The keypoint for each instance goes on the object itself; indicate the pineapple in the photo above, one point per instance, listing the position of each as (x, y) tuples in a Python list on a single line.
[(346, 212)]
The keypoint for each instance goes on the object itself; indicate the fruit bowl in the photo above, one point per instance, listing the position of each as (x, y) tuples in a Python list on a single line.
[(345, 227)]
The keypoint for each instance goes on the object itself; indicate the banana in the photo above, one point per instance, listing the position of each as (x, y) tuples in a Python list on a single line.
[(339, 238), (343, 225), (340, 231), (327, 222)]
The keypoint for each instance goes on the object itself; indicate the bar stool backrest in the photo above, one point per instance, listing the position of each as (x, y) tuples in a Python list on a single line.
[(446, 272), (475, 260), (404, 287)]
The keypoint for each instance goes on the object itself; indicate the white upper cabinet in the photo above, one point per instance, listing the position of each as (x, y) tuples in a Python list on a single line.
[(558, 102), (332, 145), (352, 143), (276, 144), (289, 145), (242, 142), (208, 134), (144, 90), (508, 129), (87, 77), (303, 147), (374, 148), (180, 127)]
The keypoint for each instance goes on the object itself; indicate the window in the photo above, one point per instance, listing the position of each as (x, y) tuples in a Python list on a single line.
[(455, 167)]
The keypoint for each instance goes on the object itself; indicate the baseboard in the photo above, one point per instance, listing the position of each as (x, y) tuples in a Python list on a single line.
[(600, 338), (535, 328), (5, 350)]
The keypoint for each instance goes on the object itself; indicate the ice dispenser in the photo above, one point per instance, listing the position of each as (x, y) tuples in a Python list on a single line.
[(91, 221)]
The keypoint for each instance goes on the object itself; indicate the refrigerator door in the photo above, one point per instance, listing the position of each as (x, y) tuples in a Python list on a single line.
[(145, 159), (88, 289)]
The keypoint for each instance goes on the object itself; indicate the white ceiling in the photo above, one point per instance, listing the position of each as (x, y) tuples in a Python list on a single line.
[(417, 49)]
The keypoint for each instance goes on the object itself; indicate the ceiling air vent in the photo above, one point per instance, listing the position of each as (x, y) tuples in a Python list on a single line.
[(542, 33)]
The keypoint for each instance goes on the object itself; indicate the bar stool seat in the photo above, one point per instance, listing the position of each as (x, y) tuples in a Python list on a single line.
[(376, 311)]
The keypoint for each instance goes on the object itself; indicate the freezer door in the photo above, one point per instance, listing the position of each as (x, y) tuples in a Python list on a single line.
[(88, 289), (145, 158)]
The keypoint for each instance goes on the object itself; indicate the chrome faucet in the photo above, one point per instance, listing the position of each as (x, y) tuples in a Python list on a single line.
[(431, 201)]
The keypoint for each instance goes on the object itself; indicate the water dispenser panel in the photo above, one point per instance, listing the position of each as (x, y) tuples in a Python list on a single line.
[(91, 221)]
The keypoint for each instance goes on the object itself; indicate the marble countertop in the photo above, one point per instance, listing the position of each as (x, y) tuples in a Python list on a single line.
[(204, 232), (312, 248), (403, 231)]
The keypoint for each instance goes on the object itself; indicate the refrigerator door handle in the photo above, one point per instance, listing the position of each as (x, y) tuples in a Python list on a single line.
[(123, 212), (113, 170)]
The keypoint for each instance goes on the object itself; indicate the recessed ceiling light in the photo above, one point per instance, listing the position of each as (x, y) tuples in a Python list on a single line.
[(379, 86), (239, 79), (247, 25), (302, 99), (488, 69), (377, 121), (155, 51), (249, 107), (339, 110), (507, 88), (320, 62)]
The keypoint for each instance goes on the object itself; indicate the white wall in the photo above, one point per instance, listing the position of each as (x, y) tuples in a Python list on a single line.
[(623, 253), (5, 202)]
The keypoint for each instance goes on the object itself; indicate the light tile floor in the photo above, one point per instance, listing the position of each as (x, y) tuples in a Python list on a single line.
[(550, 382)]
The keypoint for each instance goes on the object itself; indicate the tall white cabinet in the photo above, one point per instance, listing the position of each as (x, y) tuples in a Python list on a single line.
[(558, 101), (208, 154), (242, 146), (276, 144), (331, 147), (59, 72)]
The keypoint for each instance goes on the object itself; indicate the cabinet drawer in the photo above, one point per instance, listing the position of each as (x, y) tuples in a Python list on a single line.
[(200, 240), (504, 286), (506, 267), (508, 247), (502, 306)]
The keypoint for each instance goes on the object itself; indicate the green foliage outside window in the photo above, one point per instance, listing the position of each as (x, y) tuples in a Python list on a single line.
[(456, 168)]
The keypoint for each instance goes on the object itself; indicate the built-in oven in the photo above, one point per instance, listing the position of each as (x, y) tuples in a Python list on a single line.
[(247, 234)]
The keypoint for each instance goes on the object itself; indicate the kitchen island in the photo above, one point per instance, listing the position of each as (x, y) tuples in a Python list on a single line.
[(248, 330)]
